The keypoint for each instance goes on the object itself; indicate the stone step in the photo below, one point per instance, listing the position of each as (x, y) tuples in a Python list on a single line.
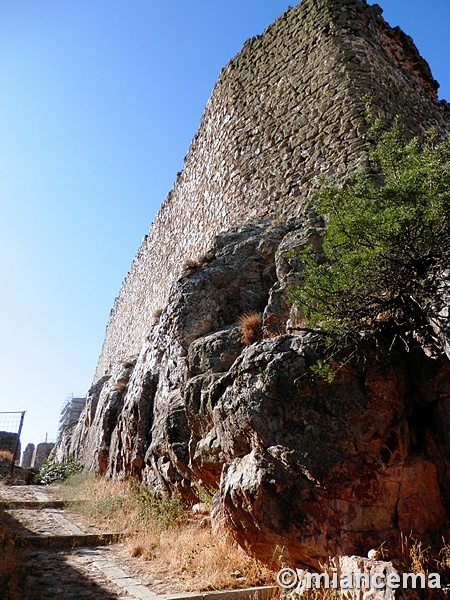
[(69, 541), (57, 538), (39, 504), (267, 592)]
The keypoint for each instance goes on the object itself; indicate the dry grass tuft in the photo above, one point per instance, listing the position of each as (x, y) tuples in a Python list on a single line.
[(443, 562), (157, 313), (109, 503), (121, 385), (189, 266), (129, 362), (251, 327), (6, 460), (6, 457), (137, 551), (414, 556)]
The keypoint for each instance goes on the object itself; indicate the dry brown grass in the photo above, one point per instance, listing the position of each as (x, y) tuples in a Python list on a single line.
[(129, 362), (443, 562), (189, 266), (198, 559), (121, 385), (108, 503), (166, 538), (157, 313), (414, 557), (251, 327), (6, 457), (168, 542)]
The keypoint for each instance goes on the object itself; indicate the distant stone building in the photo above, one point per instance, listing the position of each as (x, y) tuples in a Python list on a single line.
[(28, 454), (41, 453)]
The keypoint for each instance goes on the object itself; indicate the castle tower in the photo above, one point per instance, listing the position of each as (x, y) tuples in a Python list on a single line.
[(288, 108)]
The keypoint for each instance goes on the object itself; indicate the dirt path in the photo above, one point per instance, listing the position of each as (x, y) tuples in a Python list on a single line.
[(52, 567)]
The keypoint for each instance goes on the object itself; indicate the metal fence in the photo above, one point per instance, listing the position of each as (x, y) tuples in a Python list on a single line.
[(10, 429)]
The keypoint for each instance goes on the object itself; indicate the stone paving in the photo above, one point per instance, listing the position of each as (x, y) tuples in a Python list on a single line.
[(69, 574), (63, 572)]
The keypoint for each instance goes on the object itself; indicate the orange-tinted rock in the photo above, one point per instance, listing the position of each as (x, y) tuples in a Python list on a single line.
[(324, 469), (420, 507)]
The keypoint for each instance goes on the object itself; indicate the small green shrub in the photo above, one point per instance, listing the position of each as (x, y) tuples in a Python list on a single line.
[(323, 370), (204, 494), (386, 248), (53, 470), (163, 512)]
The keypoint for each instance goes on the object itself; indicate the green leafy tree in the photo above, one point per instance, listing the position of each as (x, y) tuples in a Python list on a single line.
[(386, 246)]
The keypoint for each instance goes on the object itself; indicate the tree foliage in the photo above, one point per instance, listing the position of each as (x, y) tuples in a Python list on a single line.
[(386, 245)]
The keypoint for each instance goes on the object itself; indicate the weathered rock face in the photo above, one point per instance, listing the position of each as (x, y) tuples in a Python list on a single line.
[(145, 423), (317, 468), (327, 469)]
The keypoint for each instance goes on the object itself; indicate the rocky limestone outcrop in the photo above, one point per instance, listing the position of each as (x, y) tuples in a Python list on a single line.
[(318, 469), (234, 277), (327, 469)]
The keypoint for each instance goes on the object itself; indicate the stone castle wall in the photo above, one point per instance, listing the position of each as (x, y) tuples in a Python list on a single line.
[(286, 109)]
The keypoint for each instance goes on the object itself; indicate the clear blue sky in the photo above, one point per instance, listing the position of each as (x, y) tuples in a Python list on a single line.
[(99, 100)]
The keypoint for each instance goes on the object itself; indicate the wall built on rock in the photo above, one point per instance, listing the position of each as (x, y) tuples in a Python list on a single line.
[(286, 109), (317, 468), (314, 467)]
